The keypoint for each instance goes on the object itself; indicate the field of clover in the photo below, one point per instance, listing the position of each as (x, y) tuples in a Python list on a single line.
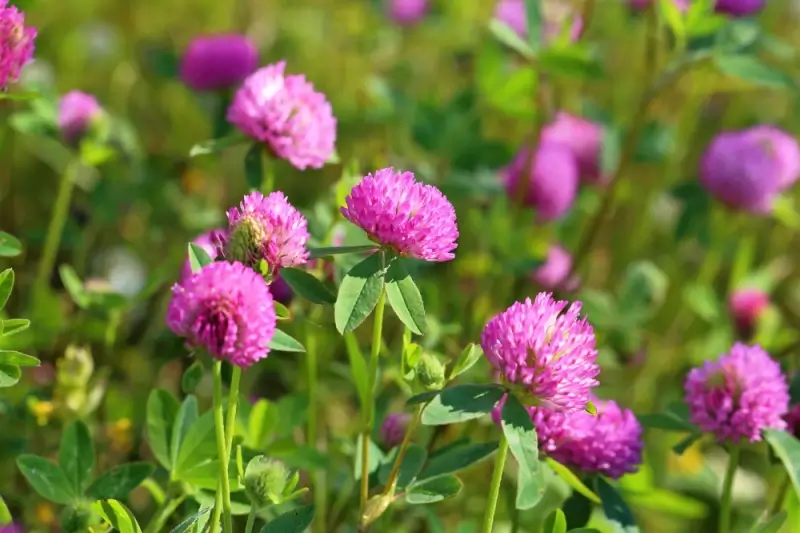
[(402, 266)]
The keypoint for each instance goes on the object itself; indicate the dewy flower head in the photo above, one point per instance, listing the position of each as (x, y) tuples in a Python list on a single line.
[(548, 355), (287, 114), (552, 181), (217, 62), (16, 43), (227, 309), (512, 13), (413, 219), (746, 306), (407, 12), (738, 395), (269, 228), (394, 429), (76, 112), (209, 242), (739, 8), (583, 138)]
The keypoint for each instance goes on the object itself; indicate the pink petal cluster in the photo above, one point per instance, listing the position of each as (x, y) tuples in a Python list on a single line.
[(512, 14), (552, 180), (547, 355), (218, 62), (583, 138), (268, 228), (738, 395), (739, 8), (16, 43), (556, 272), (286, 114), (76, 112), (393, 429), (407, 12), (12, 528), (226, 309), (747, 169), (411, 218), (746, 306)]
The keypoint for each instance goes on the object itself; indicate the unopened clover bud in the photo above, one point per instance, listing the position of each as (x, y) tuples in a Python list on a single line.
[(244, 242), (76, 519), (375, 507), (430, 371), (266, 481), (76, 367)]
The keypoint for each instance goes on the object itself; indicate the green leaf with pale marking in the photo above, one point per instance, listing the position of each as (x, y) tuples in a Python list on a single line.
[(615, 507), (198, 257), (9, 245), (307, 286), (162, 409), (460, 403), (13, 326), (185, 418), (456, 459), (787, 448), (76, 455), (523, 443), (118, 482), (46, 478), (116, 514), (434, 490), (11, 357), (187, 524), (471, 354), (295, 521), (283, 342), (404, 297), (359, 293), (752, 69)]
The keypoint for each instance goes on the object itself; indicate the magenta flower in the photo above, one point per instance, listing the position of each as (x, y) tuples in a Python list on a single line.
[(269, 228), (583, 138), (407, 12), (739, 8), (76, 113), (554, 274), (792, 419), (281, 292), (12, 528), (286, 114), (739, 395), (552, 182), (16, 43), (784, 148), (556, 14), (746, 306), (218, 62), (411, 218), (226, 309), (209, 241), (547, 356), (393, 429), (743, 170)]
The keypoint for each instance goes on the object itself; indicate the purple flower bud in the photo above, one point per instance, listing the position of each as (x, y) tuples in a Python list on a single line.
[(554, 274), (739, 8), (393, 429), (792, 419), (281, 291), (407, 12), (12, 528), (552, 182), (556, 14), (583, 138), (217, 62), (784, 148), (76, 113), (746, 306), (16, 43)]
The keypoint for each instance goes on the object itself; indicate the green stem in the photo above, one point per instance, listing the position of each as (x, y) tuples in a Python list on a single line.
[(312, 437), (251, 520), (777, 503), (377, 335), (224, 493), (494, 488), (55, 229), (213, 524), (727, 490), (162, 515), (412, 426)]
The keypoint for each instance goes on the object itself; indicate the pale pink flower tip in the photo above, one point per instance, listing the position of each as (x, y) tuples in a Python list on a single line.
[(287, 114), (407, 12), (226, 309), (16, 43), (746, 306), (76, 112), (411, 218), (547, 353), (269, 228), (738, 395)]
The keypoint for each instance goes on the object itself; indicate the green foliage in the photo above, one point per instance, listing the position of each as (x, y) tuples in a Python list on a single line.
[(359, 293), (404, 297), (460, 403), (307, 286), (295, 521), (522, 441)]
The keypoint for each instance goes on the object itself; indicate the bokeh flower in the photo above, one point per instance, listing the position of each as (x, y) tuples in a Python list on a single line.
[(746, 306), (12, 528), (218, 62), (738, 395), (413, 219), (394, 429), (552, 181), (16, 43), (556, 14), (286, 114), (747, 169), (739, 8), (555, 272), (226, 309), (583, 138), (210, 242), (76, 113), (269, 228), (544, 354), (407, 12)]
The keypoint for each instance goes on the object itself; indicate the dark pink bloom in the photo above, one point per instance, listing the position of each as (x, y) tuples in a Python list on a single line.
[(407, 12), (286, 114), (393, 429), (738, 395), (739, 8), (217, 62), (12, 528), (583, 138), (16, 43), (548, 355), (792, 419), (555, 273), (226, 309), (746, 306), (76, 113), (413, 219)]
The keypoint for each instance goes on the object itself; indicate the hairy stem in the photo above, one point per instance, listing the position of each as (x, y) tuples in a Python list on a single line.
[(494, 488)]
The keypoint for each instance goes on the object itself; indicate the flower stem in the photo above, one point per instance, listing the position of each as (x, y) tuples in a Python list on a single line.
[(494, 489), (312, 437), (412, 426), (727, 489), (251, 520), (777, 503), (377, 335), (55, 229), (224, 492)]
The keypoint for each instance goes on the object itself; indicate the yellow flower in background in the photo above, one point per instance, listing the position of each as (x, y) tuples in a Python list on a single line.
[(45, 514), (120, 434), (41, 410), (689, 464)]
